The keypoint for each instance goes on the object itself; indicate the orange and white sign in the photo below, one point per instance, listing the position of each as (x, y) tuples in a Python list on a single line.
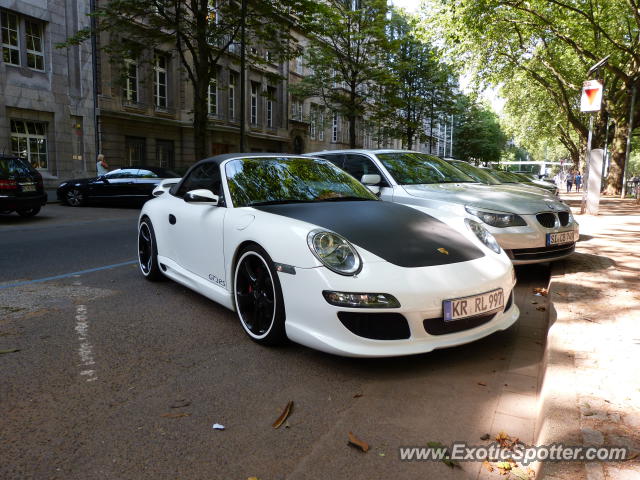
[(591, 99)]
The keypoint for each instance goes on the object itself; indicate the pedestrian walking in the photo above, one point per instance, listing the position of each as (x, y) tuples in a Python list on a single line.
[(578, 181), (570, 179), (102, 167)]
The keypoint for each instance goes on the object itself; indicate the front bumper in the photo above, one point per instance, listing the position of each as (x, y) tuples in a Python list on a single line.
[(528, 244), (313, 322)]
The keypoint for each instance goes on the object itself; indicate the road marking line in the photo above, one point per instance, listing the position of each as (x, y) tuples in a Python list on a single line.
[(86, 349), (67, 275)]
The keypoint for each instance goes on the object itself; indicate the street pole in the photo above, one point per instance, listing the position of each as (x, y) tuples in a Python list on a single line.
[(451, 143), (606, 150), (628, 151), (243, 79), (585, 181)]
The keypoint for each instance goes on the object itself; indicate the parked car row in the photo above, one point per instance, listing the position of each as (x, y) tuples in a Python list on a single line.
[(355, 252)]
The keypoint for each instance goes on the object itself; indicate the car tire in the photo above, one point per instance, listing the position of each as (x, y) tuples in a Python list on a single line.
[(148, 252), (74, 198), (258, 297), (29, 212)]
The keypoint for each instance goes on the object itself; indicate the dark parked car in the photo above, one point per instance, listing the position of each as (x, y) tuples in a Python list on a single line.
[(21, 188), (131, 185), (517, 178)]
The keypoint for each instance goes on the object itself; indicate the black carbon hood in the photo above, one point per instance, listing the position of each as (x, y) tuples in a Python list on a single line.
[(396, 233)]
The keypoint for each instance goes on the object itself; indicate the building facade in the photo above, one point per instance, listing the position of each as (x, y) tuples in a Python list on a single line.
[(47, 113)]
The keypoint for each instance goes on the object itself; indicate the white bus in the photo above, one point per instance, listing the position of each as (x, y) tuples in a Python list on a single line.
[(539, 169)]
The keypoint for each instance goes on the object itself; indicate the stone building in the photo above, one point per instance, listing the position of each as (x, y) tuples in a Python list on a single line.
[(145, 110), (46, 93)]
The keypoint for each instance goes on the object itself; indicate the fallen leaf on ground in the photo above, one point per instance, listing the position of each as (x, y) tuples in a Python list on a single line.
[(357, 395), (11, 350), (356, 442), (486, 436), (217, 426), (175, 415), (482, 384), (534, 303), (541, 291), (443, 250), (504, 467), (520, 473), (252, 478), (541, 309), (632, 457), (180, 404), (283, 416)]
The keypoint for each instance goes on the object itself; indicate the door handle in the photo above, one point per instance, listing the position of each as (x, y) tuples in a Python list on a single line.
[(172, 219)]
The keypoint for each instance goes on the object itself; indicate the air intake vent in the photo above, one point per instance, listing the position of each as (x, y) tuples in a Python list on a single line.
[(547, 219), (564, 218)]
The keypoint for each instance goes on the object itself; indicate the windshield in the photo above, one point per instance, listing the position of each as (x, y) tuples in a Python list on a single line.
[(410, 168), (505, 177), (263, 181), (476, 173), (10, 167)]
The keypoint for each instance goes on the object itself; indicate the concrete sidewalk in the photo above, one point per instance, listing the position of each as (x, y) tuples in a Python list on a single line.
[(591, 388)]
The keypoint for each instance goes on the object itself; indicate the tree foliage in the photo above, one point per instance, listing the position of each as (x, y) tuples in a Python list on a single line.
[(348, 42), (554, 43), (199, 32), (478, 134)]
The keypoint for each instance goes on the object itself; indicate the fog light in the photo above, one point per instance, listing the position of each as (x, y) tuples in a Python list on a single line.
[(361, 300)]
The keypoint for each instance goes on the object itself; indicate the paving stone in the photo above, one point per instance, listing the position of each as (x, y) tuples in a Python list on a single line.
[(591, 436)]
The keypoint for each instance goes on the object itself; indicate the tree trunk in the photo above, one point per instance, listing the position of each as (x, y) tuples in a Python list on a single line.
[(352, 131), (410, 136), (616, 166), (200, 118)]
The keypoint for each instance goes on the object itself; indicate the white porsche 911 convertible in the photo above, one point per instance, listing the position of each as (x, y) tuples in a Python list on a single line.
[(302, 251)]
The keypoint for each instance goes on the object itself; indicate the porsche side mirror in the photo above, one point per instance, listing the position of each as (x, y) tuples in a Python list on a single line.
[(372, 182), (201, 196)]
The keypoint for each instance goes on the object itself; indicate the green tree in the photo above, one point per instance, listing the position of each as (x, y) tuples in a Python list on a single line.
[(345, 56), (554, 42), (479, 136), (420, 86), (199, 32)]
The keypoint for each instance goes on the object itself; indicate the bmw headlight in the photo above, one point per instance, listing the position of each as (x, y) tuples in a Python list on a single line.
[(497, 219), (483, 235), (334, 251), (62, 184)]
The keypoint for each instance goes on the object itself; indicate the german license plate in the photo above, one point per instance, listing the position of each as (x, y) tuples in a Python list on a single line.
[(473, 306), (560, 238), (28, 188)]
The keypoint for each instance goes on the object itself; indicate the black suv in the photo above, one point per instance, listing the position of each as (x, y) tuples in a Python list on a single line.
[(21, 187)]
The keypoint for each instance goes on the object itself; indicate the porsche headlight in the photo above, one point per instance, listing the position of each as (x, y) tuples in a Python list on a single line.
[(334, 251), (497, 219), (483, 235)]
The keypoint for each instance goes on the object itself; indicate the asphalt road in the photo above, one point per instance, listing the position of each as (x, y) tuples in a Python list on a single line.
[(119, 378)]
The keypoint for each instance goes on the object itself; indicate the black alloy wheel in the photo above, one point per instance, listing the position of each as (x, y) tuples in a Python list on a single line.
[(74, 197), (148, 252), (258, 297)]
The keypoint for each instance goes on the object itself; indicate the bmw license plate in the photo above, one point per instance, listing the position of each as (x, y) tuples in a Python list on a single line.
[(560, 238), (28, 188), (474, 305)]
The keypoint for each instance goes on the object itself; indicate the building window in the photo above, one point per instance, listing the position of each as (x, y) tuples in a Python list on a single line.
[(212, 100), (29, 141), (296, 110), (160, 81), (164, 154), (135, 151), (35, 49), (131, 81), (334, 127), (321, 125), (299, 65), (233, 81), (10, 38), (271, 99), (313, 121), (268, 56), (254, 103)]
